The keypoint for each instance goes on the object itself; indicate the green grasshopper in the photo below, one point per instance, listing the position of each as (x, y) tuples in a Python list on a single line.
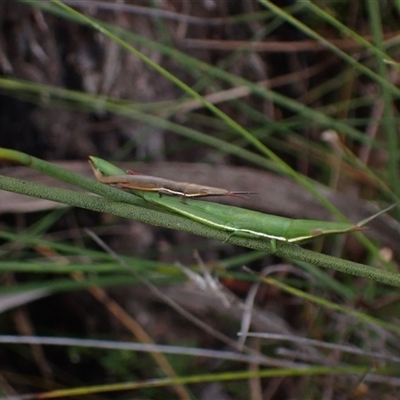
[(235, 220)]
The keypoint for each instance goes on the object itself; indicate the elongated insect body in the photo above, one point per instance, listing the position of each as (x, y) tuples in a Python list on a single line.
[(234, 220), (250, 223), (148, 183)]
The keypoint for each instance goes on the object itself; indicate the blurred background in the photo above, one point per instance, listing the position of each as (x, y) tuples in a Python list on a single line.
[(306, 95)]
